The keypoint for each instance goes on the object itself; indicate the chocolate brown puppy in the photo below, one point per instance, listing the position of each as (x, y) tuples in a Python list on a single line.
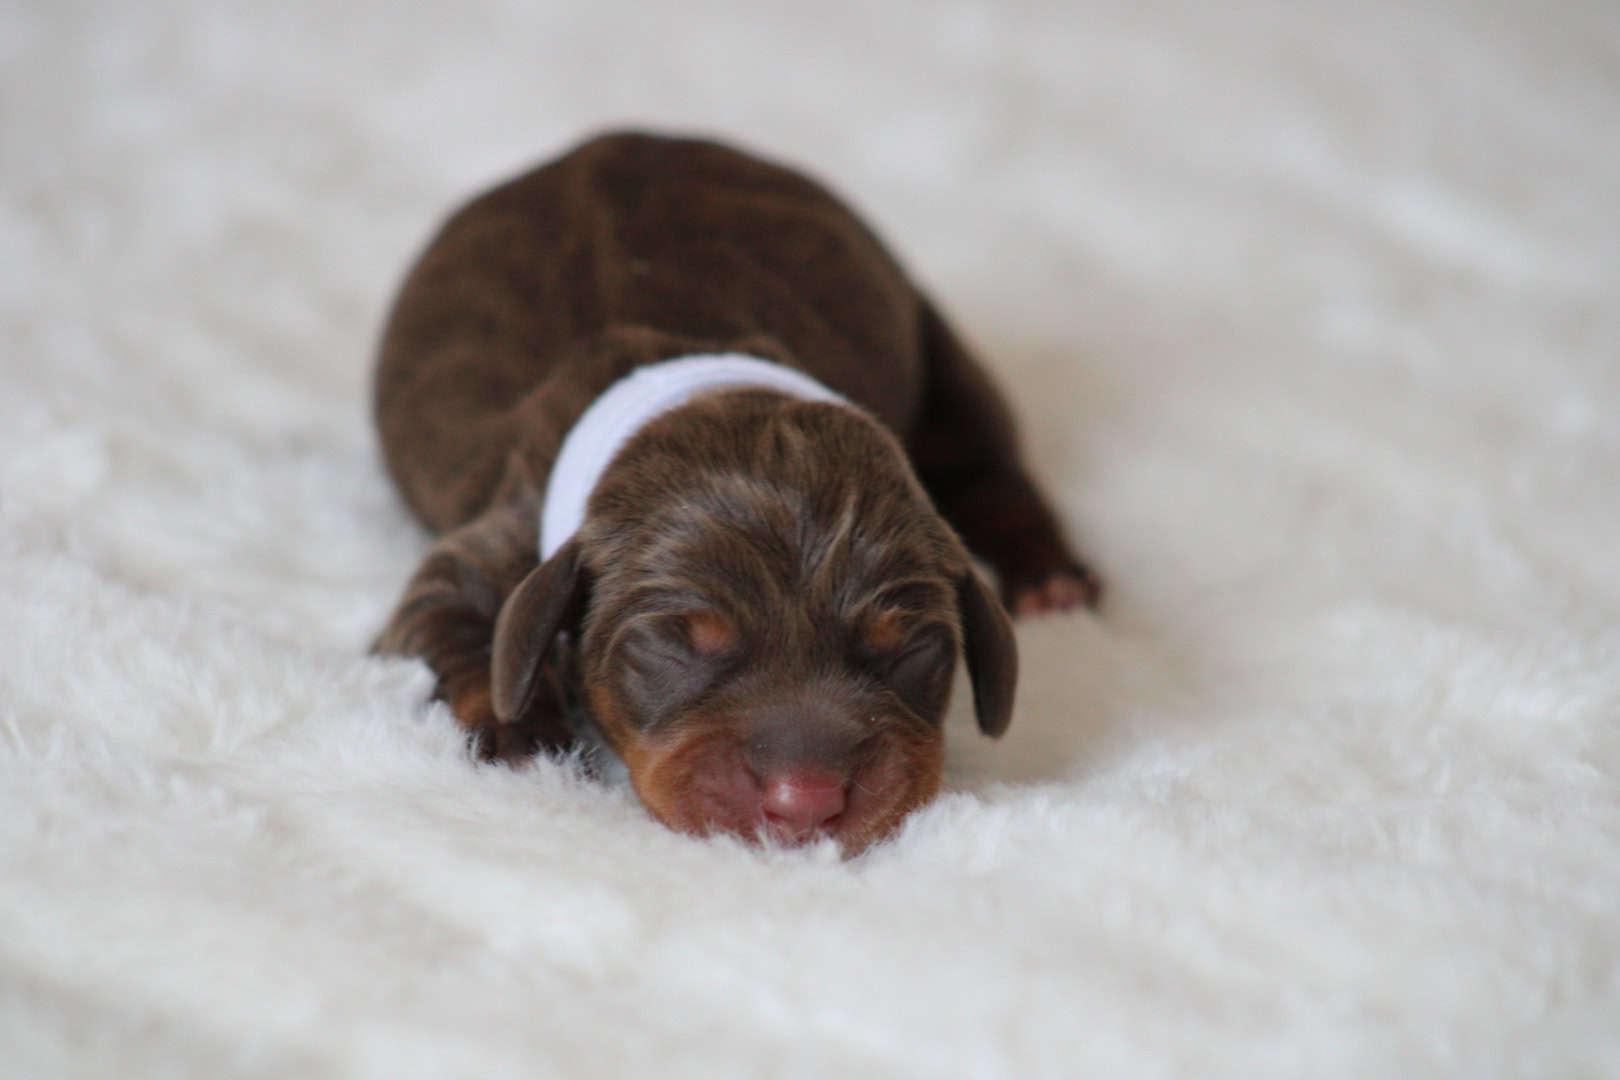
[(758, 583)]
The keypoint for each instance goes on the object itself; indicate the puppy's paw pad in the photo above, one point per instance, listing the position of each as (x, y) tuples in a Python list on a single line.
[(1058, 592)]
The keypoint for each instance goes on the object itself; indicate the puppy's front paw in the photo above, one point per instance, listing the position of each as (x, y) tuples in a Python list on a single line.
[(492, 739), (1061, 591)]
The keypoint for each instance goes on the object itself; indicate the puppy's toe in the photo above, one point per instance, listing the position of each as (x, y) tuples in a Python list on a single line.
[(1063, 591), (511, 743)]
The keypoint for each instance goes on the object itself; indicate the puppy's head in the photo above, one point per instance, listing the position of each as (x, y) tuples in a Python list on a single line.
[(768, 613)]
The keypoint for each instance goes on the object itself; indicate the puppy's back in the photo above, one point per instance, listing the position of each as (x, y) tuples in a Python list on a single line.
[(629, 249)]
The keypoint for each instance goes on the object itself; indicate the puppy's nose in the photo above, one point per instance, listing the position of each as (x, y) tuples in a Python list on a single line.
[(799, 801)]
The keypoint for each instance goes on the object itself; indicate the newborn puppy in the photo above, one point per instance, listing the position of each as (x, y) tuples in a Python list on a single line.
[(755, 459)]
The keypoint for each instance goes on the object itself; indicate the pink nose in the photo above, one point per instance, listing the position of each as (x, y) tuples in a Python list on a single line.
[(799, 801)]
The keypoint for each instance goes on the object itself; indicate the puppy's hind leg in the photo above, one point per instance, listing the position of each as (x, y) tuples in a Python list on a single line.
[(965, 449), (447, 618)]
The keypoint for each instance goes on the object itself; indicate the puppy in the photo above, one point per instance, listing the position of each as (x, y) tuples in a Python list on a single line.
[(758, 459)]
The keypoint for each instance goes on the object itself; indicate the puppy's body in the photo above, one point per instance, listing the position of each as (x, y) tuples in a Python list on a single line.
[(742, 614)]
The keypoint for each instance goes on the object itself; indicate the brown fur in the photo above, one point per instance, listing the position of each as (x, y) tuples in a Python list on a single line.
[(759, 582)]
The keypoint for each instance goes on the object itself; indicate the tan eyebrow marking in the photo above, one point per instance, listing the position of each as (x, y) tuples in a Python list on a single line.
[(885, 630), (709, 632)]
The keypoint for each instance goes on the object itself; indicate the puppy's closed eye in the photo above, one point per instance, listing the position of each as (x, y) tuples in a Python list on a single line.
[(916, 664), (670, 659)]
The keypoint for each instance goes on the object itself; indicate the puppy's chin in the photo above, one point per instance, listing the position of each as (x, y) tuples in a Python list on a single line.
[(697, 778)]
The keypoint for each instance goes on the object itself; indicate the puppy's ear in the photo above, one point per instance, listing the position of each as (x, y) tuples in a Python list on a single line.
[(549, 600), (992, 652)]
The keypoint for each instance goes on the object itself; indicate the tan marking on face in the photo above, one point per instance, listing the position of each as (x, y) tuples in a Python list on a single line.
[(885, 630), (900, 781), (618, 734), (661, 767), (709, 632)]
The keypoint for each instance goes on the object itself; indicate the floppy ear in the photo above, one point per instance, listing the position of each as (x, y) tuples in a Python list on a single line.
[(545, 602), (992, 653)]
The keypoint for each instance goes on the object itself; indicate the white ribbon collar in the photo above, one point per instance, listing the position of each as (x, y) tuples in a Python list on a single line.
[(626, 407)]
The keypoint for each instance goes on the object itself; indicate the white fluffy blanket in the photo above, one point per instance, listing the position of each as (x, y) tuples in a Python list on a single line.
[(1311, 313)]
